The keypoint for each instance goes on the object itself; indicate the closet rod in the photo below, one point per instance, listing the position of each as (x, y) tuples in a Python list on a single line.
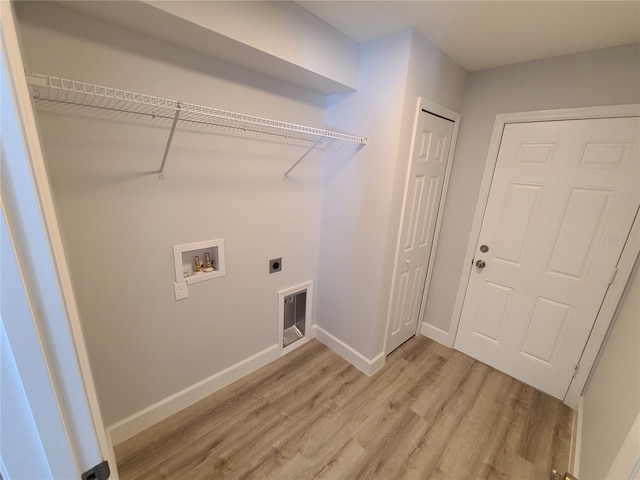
[(57, 89)]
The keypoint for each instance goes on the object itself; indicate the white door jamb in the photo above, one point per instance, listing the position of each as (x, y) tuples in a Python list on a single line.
[(75, 386)]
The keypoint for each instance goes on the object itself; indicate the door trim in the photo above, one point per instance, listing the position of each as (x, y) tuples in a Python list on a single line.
[(70, 369), (627, 258), (605, 319), (429, 107)]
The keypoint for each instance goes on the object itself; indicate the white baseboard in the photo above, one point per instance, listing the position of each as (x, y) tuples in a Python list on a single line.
[(351, 355), (147, 417), (576, 439), (436, 334)]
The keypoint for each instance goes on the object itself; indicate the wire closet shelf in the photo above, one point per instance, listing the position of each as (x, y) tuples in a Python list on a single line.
[(74, 92)]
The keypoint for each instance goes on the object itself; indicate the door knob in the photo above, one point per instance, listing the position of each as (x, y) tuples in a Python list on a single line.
[(481, 264)]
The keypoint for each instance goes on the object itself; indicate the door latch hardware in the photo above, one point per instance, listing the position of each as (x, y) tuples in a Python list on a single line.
[(557, 476)]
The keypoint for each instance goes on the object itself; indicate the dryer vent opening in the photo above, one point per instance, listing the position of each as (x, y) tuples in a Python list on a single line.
[(294, 325)]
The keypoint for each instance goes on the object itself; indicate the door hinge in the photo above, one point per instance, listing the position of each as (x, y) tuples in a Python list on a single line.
[(575, 371), (99, 472), (613, 275)]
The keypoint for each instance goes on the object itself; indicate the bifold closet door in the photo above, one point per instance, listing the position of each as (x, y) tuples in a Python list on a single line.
[(420, 212)]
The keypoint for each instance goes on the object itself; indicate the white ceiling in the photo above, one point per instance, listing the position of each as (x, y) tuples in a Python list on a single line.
[(483, 34)]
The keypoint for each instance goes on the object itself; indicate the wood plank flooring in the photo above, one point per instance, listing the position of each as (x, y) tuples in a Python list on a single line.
[(430, 413)]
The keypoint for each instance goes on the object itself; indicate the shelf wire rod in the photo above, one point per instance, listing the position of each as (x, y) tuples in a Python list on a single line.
[(166, 150), (101, 107), (243, 128), (171, 117), (284, 177), (136, 101)]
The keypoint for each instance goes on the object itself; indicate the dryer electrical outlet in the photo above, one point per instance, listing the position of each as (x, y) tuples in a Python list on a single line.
[(275, 265)]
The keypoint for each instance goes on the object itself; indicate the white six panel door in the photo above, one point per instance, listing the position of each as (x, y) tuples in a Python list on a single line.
[(563, 198), (422, 202)]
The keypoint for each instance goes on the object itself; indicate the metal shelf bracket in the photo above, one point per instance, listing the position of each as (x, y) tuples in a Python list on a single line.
[(284, 177), (166, 149)]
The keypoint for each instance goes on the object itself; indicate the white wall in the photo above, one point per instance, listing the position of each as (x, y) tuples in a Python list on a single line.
[(611, 401), (363, 195), (602, 77), (357, 193), (120, 221)]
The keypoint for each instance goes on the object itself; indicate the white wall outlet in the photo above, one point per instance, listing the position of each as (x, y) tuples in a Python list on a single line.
[(180, 289)]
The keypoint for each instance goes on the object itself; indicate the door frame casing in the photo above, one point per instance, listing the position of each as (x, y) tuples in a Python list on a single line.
[(439, 110), (64, 348), (627, 258)]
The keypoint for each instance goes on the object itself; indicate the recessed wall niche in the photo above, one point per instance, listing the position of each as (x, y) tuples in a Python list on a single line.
[(199, 261)]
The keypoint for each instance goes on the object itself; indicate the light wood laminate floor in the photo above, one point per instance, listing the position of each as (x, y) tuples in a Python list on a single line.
[(430, 413)]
